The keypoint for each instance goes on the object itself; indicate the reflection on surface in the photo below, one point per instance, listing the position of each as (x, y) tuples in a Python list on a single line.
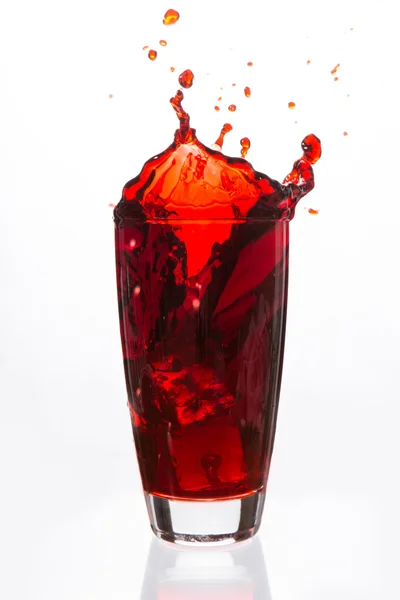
[(176, 573)]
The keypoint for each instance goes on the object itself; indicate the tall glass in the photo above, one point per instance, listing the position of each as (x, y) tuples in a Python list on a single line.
[(203, 361)]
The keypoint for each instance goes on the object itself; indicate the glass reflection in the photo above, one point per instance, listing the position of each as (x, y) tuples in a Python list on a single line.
[(234, 573)]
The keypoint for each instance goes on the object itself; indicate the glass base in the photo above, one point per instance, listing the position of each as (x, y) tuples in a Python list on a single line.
[(205, 522)]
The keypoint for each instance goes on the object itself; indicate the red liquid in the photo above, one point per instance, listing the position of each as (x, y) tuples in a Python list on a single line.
[(171, 17), (202, 256)]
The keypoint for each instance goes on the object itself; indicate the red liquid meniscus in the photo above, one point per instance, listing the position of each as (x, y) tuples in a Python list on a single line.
[(202, 255)]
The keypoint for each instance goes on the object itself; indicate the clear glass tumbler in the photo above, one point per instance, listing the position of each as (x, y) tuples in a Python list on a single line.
[(203, 361)]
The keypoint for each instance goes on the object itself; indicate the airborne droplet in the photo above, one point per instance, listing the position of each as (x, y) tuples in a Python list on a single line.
[(171, 17), (186, 79), (250, 64), (247, 92), (334, 70), (232, 107), (163, 43), (312, 211), (152, 54), (226, 129), (245, 143), (217, 108), (291, 105)]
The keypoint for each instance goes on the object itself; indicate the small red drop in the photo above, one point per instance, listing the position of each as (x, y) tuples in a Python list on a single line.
[(171, 17), (152, 54)]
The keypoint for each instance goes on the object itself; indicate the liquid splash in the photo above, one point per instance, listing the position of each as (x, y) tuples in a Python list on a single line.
[(171, 17), (226, 129), (186, 79), (245, 144)]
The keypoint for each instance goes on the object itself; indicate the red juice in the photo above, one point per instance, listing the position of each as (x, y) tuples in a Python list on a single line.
[(202, 244)]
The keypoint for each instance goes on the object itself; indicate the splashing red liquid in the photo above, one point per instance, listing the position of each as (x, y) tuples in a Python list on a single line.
[(202, 256), (245, 143), (186, 79), (226, 129), (171, 17)]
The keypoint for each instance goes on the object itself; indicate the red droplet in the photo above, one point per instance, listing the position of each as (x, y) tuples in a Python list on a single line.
[(334, 70), (152, 54), (217, 108), (309, 62), (219, 99), (171, 17), (232, 107), (186, 79), (226, 129), (247, 92), (291, 105), (110, 96), (145, 47), (163, 43), (245, 143), (311, 146), (336, 79), (233, 84), (250, 64), (172, 69), (351, 28), (345, 133), (312, 211)]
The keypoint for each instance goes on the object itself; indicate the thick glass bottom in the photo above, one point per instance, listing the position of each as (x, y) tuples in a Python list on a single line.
[(206, 522)]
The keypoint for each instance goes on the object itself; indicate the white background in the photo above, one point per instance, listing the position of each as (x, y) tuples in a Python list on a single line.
[(73, 521)]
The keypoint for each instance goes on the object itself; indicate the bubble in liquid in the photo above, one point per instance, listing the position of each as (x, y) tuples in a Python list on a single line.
[(247, 92), (196, 304), (132, 243), (245, 143), (171, 17), (138, 392), (163, 43), (186, 79), (137, 290), (232, 107), (211, 464), (313, 211), (152, 54), (291, 105)]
